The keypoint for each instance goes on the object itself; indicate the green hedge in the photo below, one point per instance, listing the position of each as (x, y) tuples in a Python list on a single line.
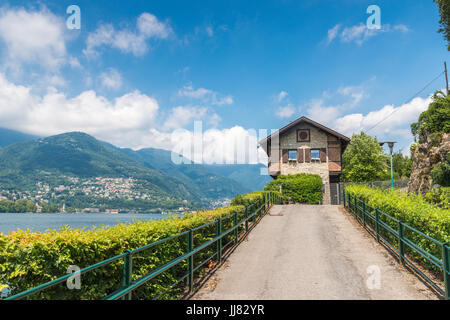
[(29, 259), (412, 210), (300, 188), (249, 198)]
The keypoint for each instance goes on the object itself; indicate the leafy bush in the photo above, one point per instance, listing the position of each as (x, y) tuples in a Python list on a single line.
[(300, 188), (439, 196), (29, 259), (436, 138), (414, 211), (441, 172)]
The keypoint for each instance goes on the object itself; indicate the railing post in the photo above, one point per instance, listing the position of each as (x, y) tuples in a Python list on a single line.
[(235, 220), (364, 212), (266, 204), (263, 200), (127, 272), (246, 220), (377, 223), (356, 207), (401, 244), (344, 195), (254, 213), (446, 268), (219, 241), (190, 262)]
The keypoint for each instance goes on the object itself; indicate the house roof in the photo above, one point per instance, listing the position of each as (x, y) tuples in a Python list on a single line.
[(311, 122)]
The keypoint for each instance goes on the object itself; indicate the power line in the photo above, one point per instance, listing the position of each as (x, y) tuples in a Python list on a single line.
[(415, 95)]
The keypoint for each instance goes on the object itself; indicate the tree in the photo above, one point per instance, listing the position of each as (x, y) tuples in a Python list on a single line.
[(6, 206), (49, 208), (444, 12), (23, 205), (402, 165), (20, 206), (31, 206), (363, 160), (436, 119)]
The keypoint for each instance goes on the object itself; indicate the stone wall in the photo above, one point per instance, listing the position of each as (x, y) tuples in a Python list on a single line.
[(318, 139), (425, 156)]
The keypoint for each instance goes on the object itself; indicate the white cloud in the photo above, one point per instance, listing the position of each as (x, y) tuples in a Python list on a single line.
[(126, 121), (231, 145), (395, 124), (360, 33), (281, 96), (111, 79), (401, 28), (150, 27), (205, 95), (323, 114), (189, 91), (55, 113), (32, 37), (214, 120), (332, 104), (181, 116), (356, 93), (285, 112), (333, 32), (147, 27), (338, 116)]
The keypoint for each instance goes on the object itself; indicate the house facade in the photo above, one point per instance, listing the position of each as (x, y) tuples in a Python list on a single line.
[(305, 146)]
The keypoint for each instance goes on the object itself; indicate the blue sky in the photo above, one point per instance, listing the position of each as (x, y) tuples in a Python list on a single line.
[(137, 70)]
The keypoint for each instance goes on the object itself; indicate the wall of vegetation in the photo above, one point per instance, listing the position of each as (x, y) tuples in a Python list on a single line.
[(299, 188), (412, 210), (29, 259)]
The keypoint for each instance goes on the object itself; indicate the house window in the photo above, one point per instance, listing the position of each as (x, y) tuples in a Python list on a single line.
[(292, 155), (315, 154)]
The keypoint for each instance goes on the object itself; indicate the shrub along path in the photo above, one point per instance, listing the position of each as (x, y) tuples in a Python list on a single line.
[(311, 252)]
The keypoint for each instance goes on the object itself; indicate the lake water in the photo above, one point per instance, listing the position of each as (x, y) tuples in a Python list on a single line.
[(43, 221)]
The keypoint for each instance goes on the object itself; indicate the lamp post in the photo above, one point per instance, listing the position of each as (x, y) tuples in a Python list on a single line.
[(391, 148)]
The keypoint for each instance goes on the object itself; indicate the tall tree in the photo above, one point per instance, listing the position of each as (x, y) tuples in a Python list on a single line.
[(444, 12), (363, 160)]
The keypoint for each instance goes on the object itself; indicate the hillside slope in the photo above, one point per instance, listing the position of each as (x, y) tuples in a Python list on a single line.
[(197, 177), (8, 137), (79, 170)]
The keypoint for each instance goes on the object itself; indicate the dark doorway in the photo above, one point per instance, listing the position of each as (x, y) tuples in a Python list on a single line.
[(334, 193)]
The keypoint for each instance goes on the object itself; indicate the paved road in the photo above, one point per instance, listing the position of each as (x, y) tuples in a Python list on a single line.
[(311, 252)]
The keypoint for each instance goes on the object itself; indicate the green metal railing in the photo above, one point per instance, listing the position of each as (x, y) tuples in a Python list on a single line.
[(398, 236), (251, 214)]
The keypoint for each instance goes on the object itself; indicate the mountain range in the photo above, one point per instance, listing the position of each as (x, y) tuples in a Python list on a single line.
[(66, 168)]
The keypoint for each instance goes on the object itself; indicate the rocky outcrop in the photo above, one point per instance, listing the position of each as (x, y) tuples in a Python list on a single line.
[(425, 156)]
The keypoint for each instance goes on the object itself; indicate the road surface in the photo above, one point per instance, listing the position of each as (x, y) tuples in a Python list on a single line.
[(311, 252)]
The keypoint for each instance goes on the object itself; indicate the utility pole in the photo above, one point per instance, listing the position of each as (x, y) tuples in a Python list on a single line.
[(446, 78)]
